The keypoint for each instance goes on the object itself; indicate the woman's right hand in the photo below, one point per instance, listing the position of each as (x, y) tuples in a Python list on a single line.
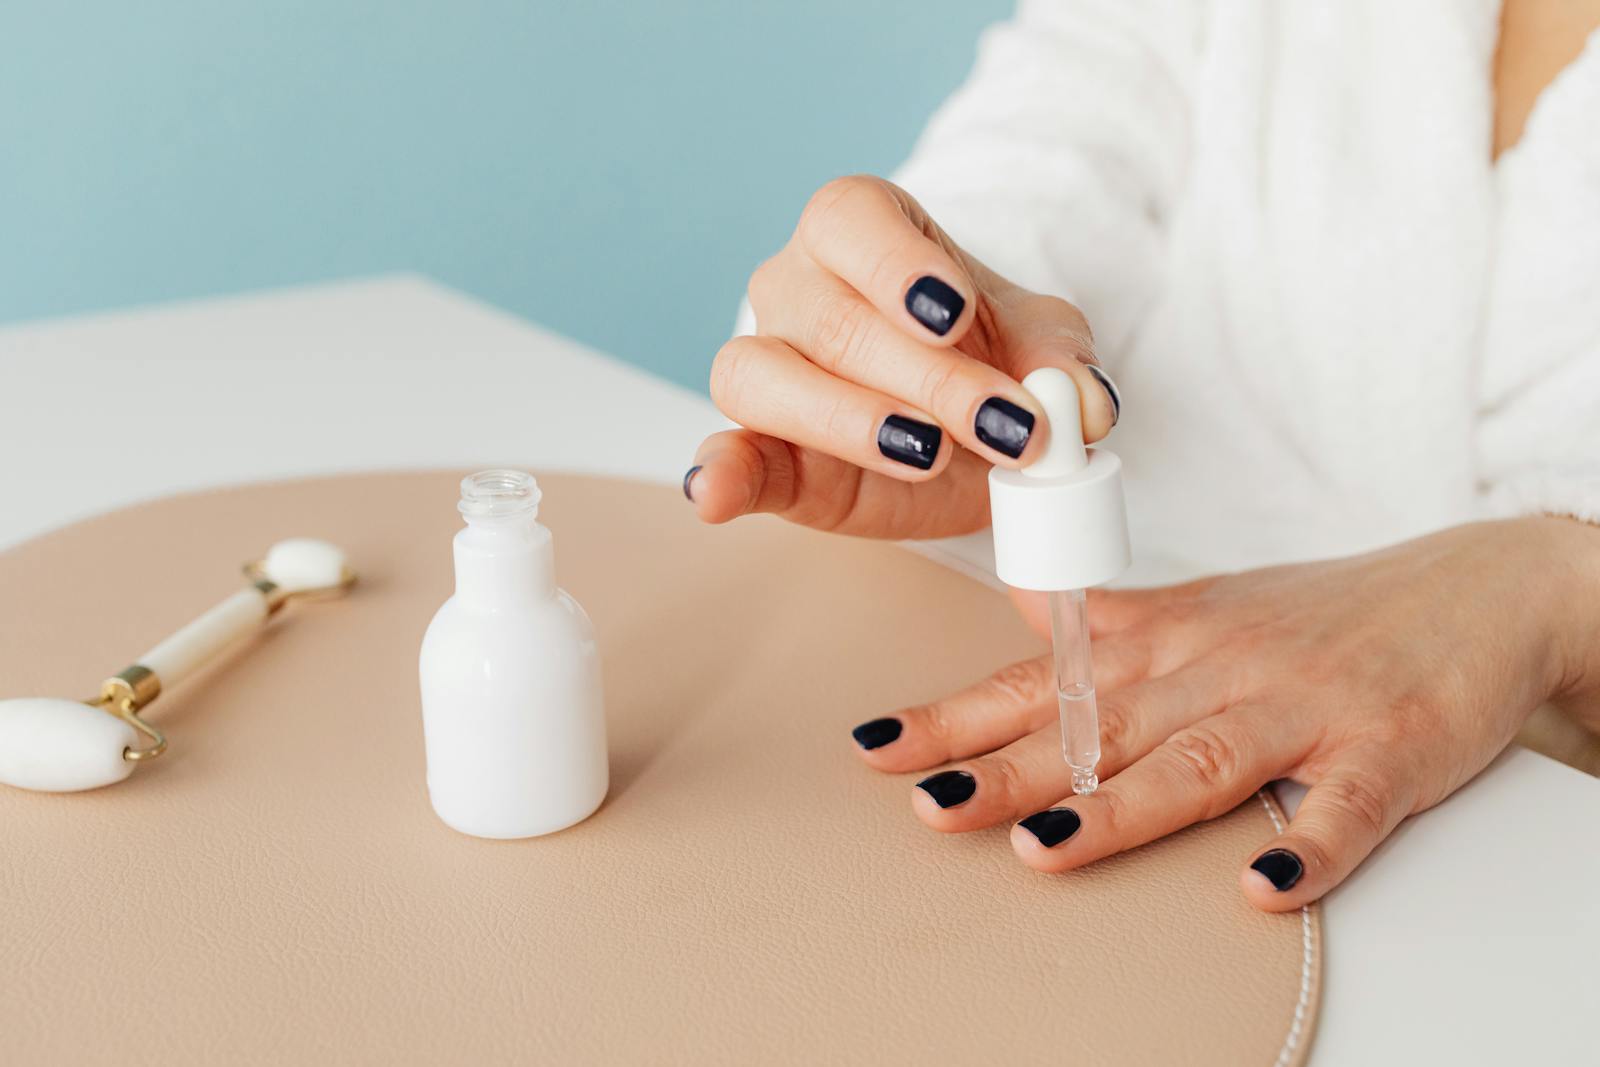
[(881, 382)]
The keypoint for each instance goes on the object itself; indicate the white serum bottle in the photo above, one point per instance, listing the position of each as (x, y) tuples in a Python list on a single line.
[(512, 713)]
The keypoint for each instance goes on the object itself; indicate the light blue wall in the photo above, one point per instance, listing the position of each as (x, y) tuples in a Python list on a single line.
[(610, 169)]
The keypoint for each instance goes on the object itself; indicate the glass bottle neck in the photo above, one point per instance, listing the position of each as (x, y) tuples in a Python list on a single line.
[(504, 562)]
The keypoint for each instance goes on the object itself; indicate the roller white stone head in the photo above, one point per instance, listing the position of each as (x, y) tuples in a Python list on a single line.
[(61, 746), (303, 563)]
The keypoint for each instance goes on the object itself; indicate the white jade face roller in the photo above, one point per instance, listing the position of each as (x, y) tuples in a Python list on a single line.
[(60, 746)]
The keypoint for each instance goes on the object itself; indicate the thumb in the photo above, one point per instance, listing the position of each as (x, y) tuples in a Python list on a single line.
[(1343, 817), (1035, 330)]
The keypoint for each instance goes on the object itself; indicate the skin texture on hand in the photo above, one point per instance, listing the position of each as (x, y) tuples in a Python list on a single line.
[(1383, 682)]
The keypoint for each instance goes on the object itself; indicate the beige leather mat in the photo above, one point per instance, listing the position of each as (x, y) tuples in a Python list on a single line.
[(277, 889)]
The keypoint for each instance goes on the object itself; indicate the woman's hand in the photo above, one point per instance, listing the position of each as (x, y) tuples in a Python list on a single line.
[(1384, 682), (881, 384)]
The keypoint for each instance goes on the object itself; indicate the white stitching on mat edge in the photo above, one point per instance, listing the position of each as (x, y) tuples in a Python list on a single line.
[(1296, 1027)]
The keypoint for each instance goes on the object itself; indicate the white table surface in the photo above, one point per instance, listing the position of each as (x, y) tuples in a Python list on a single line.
[(1472, 936)]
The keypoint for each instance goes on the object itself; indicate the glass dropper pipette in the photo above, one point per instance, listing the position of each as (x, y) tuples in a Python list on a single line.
[(1080, 719), (1060, 527)]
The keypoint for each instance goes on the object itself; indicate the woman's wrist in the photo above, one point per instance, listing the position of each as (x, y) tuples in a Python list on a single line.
[(1568, 554)]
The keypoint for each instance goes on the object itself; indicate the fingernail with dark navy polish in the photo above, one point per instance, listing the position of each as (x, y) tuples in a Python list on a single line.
[(949, 788), (1282, 868), (934, 304), (1052, 827), (877, 733), (1111, 390), (908, 441), (1003, 426), (687, 478)]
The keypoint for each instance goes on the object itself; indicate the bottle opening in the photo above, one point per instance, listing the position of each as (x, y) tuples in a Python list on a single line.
[(499, 494)]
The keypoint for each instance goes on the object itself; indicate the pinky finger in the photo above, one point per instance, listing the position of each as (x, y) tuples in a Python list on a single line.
[(1343, 817)]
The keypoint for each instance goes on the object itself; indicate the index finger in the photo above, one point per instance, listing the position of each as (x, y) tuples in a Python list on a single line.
[(741, 472), (861, 229)]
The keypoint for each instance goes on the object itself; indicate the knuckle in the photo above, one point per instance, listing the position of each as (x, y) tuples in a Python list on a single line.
[(1066, 321), (1018, 683), (1114, 814), (1314, 855), (831, 513), (886, 270), (1322, 665), (730, 373), (835, 420), (824, 208), (1131, 655), (779, 473), (941, 377), (840, 335), (1205, 756), (1007, 776), (1062, 310), (1418, 714), (1364, 799), (1183, 610), (1116, 717), (1384, 732), (1406, 717), (1245, 638), (763, 283), (935, 720)]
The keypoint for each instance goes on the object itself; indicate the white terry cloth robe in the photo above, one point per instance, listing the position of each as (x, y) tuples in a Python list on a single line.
[(1335, 321)]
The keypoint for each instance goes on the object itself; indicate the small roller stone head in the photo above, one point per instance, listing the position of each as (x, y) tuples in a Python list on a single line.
[(61, 746), (303, 563)]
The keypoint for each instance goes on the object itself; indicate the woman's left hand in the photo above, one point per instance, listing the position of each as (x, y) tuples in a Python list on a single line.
[(1384, 682)]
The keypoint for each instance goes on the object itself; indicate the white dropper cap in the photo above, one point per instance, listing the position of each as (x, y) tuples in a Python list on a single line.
[(1060, 522)]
